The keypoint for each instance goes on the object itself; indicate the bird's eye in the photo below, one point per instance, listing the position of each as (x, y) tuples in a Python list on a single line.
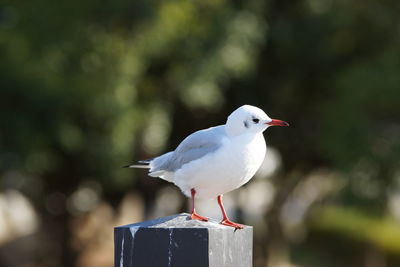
[(256, 120)]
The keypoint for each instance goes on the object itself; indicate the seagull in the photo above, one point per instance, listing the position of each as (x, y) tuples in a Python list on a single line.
[(214, 161)]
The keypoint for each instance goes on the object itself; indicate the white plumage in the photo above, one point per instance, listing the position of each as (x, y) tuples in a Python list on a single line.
[(217, 160)]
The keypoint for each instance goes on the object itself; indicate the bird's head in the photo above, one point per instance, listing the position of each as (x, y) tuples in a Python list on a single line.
[(250, 119)]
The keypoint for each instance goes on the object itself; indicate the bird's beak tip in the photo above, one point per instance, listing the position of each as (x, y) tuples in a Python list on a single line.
[(275, 122)]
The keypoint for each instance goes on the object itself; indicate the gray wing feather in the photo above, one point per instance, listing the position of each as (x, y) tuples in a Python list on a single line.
[(193, 147)]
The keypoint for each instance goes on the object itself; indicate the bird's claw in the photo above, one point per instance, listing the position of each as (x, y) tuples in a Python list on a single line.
[(227, 222), (195, 216)]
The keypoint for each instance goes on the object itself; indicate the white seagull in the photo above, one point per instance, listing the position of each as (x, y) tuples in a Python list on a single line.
[(214, 161)]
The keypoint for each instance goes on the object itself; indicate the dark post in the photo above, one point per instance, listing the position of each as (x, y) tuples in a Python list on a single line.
[(179, 241)]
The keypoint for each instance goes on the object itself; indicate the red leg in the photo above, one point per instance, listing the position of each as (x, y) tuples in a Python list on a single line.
[(194, 215), (225, 219)]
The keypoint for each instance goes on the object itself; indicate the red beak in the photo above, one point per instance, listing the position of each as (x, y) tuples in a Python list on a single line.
[(277, 123)]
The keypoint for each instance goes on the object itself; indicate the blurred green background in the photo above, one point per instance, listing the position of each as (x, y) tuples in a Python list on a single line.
[(89, 86)]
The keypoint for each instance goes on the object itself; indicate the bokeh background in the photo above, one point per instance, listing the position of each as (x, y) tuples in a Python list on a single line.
[(89, 86)]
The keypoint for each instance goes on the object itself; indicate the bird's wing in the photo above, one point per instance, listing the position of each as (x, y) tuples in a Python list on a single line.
[(193, 147)]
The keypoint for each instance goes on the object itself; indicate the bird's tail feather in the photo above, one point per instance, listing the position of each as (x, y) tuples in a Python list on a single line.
[(144, 164), (137, 166), (154, 171)]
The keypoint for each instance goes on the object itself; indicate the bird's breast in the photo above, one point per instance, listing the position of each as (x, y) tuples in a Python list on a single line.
[(246, 158), (227, 169)]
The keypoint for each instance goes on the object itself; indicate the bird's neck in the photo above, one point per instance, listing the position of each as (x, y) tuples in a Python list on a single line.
[(232, 131), (248, 137)]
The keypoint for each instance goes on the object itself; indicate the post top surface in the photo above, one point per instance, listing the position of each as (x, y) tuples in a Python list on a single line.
[(181, 220)]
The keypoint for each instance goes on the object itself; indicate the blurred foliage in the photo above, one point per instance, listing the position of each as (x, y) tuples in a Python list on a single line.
[(382, 232), (87, 86)]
